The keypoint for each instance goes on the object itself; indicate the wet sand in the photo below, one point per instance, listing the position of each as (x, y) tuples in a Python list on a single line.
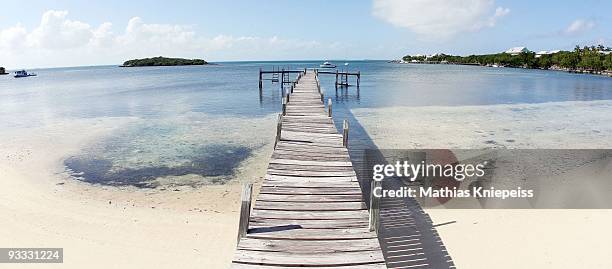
[(505, 238)]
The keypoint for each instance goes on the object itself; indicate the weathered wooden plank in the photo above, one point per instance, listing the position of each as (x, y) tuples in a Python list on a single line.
[(299, 134), (361, 266), (309, 157), (321, 141), (294, 233), (306, 144), (321, 118), (306, 106), (307, 126), (310, 184), (311, 163), (312, 149), (309, 246), (308, 122), (304, 129), (335, 152), (308, 215), (272, 178), (311, 173), (301, 206), (324, 259), (310, 224), (311, 191), (309, 198), (294, 105)]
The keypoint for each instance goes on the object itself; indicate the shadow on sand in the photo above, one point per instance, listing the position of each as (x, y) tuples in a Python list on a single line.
[(407, 235)]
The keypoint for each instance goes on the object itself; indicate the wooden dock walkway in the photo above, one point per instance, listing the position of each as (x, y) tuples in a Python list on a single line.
[(310, 210)]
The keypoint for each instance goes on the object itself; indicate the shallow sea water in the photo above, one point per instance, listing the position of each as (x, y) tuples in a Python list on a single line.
[(198, 124)]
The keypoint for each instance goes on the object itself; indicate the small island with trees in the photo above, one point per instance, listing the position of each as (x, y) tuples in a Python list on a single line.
[(3, 71), (593, 60), (163, 61)]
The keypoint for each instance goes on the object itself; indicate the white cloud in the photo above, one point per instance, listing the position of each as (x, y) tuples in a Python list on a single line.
[(13, 38), (57, 32), (60, 41), (439, 19), (579, 26)]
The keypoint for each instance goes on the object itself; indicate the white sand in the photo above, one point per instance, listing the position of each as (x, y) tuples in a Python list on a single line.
[(196, 228), (110, 227), (485, 238)]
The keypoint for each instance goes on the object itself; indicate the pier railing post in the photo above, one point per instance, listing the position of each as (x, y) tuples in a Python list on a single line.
[(374, 206), (245, 210), (336, 77), (284, 105), (329, 107), (260, 79), (345, 133), (283, 76), (279, 126)]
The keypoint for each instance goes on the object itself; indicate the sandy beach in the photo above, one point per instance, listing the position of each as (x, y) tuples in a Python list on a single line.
[(102, 226), (192, 227), (508, 238)]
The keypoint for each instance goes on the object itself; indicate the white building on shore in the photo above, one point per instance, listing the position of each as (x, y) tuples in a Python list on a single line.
[(517, 50), (544, 52)]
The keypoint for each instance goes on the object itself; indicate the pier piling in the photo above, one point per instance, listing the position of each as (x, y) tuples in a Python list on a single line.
[(245, 210), (374, 213), (345, 133)]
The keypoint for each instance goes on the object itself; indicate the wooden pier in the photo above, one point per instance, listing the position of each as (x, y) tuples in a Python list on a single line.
[(342, 76), (310, 210)]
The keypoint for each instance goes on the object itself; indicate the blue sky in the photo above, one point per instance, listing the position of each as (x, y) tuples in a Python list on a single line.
[(66, 33)]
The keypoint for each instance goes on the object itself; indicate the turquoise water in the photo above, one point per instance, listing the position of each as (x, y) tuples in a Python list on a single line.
[(207, 120)]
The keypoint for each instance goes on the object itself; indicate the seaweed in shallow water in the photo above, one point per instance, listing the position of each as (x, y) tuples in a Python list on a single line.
[(209, 161)]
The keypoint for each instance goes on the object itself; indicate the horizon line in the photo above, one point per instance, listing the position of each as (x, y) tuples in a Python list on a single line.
[(210, 62)]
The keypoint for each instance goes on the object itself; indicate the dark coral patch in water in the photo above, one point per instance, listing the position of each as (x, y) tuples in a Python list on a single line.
[(209, 161)]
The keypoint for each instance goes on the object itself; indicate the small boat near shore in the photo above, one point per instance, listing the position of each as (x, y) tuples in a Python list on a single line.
[(327, 65), (23, 74)]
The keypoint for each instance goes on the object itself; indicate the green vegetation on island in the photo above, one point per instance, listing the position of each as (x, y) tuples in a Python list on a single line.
[(594, 59), (163, 61)]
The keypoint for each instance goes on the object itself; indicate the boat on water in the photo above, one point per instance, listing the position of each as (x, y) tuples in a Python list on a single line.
[(23, 74), (327, 65)]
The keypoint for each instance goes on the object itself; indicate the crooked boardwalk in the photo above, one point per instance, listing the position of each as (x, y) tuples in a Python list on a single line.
[(310, 210)]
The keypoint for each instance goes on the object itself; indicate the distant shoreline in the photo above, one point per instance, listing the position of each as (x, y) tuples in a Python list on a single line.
[(605, 73)]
